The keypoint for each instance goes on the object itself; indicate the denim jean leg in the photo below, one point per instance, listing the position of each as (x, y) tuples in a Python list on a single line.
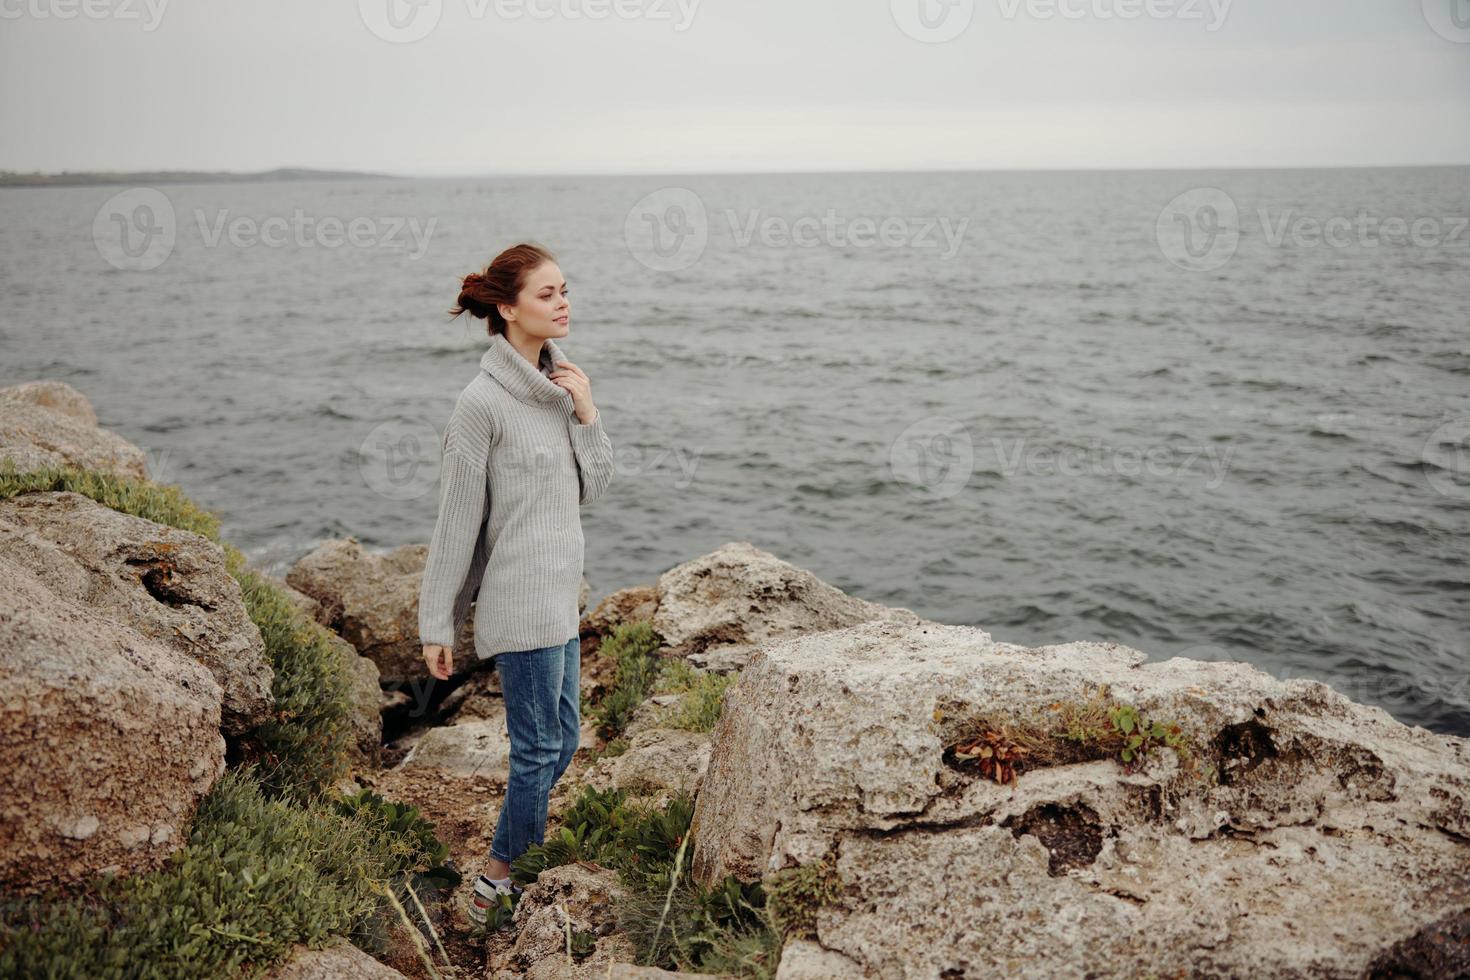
[(531, 683), (570, 705)]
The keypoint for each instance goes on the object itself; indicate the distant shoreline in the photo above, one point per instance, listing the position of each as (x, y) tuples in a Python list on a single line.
[(84, 178)]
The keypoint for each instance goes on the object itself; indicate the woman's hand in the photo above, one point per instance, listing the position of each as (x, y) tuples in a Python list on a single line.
[(440, 660), (576, 382)]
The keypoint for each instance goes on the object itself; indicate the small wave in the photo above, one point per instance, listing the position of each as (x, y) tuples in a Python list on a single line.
[(330, 411)]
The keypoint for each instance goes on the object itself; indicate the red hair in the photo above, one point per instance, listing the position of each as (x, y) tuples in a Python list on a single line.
[(500, 282)]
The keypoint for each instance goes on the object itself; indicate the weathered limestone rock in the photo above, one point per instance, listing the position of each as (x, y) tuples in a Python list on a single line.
[(477, 747), (802, 959), (653, 712), (589, 894), (719, 608), (1328, 833), (657, 761), (108, 737), (167, 585), (338, 960), (55, 396), (372, 600), (50, 423)]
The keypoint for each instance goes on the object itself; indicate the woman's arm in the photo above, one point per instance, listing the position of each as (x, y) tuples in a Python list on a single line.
[(593, 450), (463, 503)]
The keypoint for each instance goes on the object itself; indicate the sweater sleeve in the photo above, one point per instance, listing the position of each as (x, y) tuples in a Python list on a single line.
[(464, 501), (594, 453)]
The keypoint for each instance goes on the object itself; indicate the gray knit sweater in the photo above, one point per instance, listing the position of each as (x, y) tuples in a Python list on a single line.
[(517, 466)]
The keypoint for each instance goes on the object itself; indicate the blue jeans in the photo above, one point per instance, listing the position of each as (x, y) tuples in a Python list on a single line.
[(542, 707)]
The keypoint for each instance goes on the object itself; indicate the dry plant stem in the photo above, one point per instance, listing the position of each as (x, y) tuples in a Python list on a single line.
[(673, 883)]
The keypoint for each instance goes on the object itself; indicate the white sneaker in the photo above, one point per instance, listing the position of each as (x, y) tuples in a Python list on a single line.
[(492, 895)]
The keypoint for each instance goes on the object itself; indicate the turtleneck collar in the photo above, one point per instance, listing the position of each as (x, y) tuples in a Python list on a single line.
[(529, 384)]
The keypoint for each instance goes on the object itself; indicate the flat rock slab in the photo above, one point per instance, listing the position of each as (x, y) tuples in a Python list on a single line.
[(1312, 835)]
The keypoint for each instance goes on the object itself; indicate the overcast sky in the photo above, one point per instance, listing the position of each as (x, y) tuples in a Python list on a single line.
[(441, 87)]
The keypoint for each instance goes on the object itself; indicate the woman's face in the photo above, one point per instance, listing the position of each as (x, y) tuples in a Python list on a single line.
[(542, 308)]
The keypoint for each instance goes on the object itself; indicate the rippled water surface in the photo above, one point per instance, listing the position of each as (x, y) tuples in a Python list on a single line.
[(1039, 425)]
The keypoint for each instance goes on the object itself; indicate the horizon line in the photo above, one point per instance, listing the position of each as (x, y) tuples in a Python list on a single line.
[(479, 175)]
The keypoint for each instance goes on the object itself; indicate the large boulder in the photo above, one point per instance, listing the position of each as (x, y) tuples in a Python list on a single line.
[(165, 584), (718, 609), (372, 601), (50, 423), (1303, 834), (109, 738)]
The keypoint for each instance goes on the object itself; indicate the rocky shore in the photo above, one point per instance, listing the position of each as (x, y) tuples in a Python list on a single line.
[(907, 799)]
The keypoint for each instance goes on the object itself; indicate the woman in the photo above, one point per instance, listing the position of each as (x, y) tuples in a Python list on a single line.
[(523, 449)]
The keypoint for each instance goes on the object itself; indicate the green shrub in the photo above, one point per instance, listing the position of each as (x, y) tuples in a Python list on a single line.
[(256, 876), (160, 503), (303, 749), (610, 750), (703, 695), (632, 648), (721, 929), (794, 895)]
